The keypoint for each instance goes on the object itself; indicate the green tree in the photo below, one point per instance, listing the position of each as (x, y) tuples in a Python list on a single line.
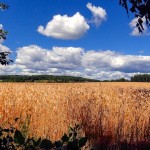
[(141, 78), (140, 9), (4, 60)]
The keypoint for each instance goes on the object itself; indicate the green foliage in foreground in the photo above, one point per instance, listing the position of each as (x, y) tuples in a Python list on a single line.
[(13, 139)]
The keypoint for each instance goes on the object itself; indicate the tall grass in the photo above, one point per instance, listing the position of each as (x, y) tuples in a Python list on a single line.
[(109, 112)]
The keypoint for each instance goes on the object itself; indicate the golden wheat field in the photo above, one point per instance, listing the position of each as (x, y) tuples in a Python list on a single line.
[(118, 111)]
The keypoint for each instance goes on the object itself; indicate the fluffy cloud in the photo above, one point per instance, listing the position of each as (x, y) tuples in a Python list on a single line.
[(107, 75), (9, 70), (4, 48), (135, 31), (112, 61), (65, 27), (73, 61), (37, 58), (1, 26), (99, 14)]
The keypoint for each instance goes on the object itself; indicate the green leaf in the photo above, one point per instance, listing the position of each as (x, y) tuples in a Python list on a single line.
[(29, 147), (73, 145), (46, 144), (36, 143), (65, 138), (58, 144), (82, 141), (18, 138), (70, 135), (70, 128), (132, 9)]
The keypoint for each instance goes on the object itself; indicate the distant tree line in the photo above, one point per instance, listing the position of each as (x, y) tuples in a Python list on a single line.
[(67, 79), (43, 78), (117, 80), (141, 78), (135, 78)]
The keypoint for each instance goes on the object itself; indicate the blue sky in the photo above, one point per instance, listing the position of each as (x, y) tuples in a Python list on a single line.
[(93, 39)]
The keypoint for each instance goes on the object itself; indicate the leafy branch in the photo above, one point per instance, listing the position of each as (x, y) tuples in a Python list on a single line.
[(140, 9), (3, 6), (4, 60)]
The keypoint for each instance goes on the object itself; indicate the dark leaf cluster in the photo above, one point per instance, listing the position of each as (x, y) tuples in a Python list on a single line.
[(3, 6), (13, 139), (6, 139), (140, 9), (4, 60), (3, 34)]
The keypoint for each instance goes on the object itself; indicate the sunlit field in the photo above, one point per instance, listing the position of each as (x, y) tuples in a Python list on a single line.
[(109, 112)]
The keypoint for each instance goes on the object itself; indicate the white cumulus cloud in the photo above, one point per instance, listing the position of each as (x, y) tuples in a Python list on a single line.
[(4, 48), (1, 26), (65, 27), (36, 58), (99, 14), (112, 61), (75, 61)]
